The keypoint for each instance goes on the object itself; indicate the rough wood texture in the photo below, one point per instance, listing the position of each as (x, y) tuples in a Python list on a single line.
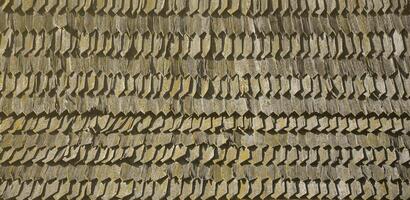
[(204, 99)]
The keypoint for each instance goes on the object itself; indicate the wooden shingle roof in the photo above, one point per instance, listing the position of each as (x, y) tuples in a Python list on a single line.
[(204, 99)]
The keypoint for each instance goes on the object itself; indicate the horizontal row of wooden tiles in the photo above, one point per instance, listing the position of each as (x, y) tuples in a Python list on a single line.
[(173, 188), (199, 25), (354, 67), (208, 7), (226, 87), (145, 122), (236, 47)]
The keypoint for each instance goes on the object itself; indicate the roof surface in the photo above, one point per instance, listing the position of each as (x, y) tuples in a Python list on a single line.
[(204, 99)]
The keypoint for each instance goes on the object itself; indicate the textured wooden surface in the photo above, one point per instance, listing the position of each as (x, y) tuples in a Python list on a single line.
[(204, 99)]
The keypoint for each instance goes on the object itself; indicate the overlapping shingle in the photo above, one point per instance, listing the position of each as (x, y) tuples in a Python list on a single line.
[(204, 99)]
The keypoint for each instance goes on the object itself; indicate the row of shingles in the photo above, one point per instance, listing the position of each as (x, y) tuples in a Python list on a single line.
[(205, 46), (25, 148), (209, 68), (197, 25), (58, 153), (238, 138), (202, 106), (98, 83), (146, 122), (160, 177), (264, 28), (198, 188), (208, 7), (154, 172)]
